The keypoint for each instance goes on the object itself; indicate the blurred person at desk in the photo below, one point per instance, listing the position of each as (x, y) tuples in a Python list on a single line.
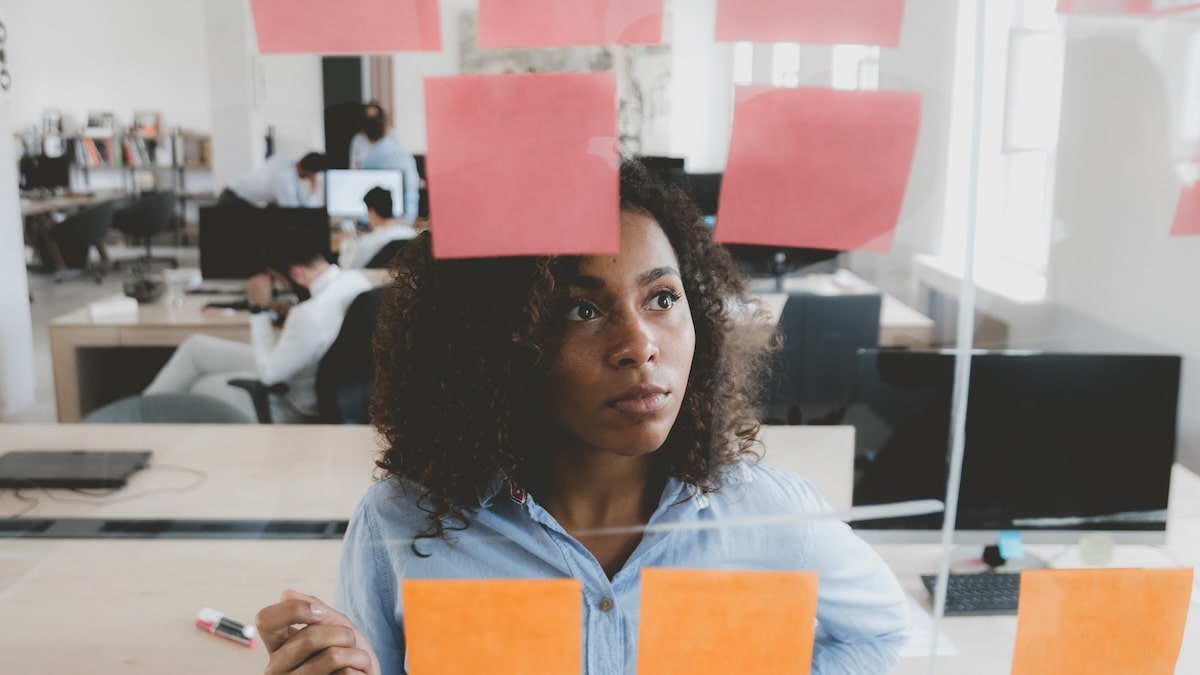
[(376, 148), (530, 406), (281, 181), (356, 250), (205, 364)]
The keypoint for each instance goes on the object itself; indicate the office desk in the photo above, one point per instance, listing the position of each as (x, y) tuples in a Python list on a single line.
[(121, 606), (899, 324), (89, 371), (42, 211)]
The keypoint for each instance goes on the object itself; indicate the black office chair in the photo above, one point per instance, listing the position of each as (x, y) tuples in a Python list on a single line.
[(149, 215), (814, 372), (345, 374), (75, 237), (383, 259)]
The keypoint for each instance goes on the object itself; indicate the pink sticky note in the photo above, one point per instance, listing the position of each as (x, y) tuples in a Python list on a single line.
[(523, 164), (868, 22), (1134, 7), (817, 168), (1187, 212), (558, 23), (346, 26)]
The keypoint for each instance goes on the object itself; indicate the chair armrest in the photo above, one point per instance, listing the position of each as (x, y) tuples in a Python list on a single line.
[(260, 394)]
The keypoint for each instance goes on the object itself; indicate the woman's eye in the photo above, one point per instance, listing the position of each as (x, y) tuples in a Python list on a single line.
[(581, 311), (664, 300)]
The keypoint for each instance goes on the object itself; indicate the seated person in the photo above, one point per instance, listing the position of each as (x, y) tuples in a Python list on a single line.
[(357, 251), (204, 364), (375, 147), (281, 181)]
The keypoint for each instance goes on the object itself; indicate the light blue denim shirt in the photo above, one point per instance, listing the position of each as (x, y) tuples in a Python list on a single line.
[(862, 614), (386, 153)]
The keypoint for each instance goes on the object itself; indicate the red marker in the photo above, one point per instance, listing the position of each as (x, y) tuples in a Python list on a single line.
[(218, 624)]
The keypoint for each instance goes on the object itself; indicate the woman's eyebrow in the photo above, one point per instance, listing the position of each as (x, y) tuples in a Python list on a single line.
[(655, 274), (591, 283)]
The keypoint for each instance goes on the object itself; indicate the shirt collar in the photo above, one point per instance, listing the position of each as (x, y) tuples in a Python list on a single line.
[(325, 280), (676, 491)]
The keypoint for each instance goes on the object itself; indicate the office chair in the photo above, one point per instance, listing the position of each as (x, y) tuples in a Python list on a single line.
[(815, 370), (75, 237), (168, 409), (383, 259), (146, 217), (345, 374)]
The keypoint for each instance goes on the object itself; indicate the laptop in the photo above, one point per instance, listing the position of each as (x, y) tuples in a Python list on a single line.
[(73, 469)]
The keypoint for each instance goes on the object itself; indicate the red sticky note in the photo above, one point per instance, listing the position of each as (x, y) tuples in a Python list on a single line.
[(1101, 622), (1133, 7), (523, 164), (864, 22), (701, 621), (346, 26), (454, 627), (1187, 212), (560, 23), (817, 168)]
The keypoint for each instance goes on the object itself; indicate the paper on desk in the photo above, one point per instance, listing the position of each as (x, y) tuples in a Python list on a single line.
[(523, 164), (454, 627), (346, 26), (920, 638), (1101, 621), (560, 23), (112, 308), (692, 619), (868, 22), (817, 168), (1187, 212)]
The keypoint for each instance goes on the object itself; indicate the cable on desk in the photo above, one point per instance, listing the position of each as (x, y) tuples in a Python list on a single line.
[(32, 501), (104, 498)]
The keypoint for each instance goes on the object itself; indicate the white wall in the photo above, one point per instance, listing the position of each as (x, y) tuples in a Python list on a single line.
[(701, 87), (1114, 265), (293, 102), (119, 56)]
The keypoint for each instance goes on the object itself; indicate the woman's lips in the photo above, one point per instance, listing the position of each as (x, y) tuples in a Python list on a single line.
[(646, 404)]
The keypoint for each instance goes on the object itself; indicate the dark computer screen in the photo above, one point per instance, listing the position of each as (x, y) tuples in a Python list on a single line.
[(233, 239), (44, 173), (703, 188), (662, 166), (1053, 442)]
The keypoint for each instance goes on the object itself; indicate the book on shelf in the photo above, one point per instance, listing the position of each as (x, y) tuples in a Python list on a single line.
[(100, 125), (146, 124)]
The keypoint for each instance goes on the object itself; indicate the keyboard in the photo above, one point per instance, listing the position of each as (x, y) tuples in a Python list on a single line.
[(984, 593)]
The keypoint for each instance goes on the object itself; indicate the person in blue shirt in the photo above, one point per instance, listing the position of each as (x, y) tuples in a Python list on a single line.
[(375, 147), (529, 403)]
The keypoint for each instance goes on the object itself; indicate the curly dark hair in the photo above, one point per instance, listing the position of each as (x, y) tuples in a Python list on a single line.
[(461, 357)]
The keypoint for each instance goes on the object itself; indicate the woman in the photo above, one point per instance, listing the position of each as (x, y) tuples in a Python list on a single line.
[(528, 402)]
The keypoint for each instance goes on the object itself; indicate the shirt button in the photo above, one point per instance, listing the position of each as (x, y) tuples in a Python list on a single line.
[(606, 605)]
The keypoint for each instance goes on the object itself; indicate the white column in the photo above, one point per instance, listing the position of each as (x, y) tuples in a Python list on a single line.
[(701, 87), (17, 376), (236, 81)]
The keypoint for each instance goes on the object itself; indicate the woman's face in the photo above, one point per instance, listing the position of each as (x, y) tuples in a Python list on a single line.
[(619, 377)]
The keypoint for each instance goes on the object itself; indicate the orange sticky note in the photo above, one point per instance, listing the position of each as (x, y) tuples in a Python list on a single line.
[(523, 164), (561, 23), (1101, 622), (703, 621), (346, 26), (817, 168), (864, 22), (454, 627), (1187, 212)]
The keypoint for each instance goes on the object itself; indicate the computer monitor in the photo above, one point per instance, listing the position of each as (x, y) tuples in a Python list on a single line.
[(1054, 445), (233, 239), (44, 173), (662, 166), (703, 188), (345, 188)]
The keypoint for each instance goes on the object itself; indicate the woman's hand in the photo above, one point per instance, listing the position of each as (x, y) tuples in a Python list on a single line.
[(307, 637)]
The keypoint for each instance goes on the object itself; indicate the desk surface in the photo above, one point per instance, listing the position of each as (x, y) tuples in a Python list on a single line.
[(37, 207)]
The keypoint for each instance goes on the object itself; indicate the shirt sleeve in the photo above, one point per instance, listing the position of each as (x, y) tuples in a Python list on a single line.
[(862, 613), (285, 186), (297, 346), (367, 587)]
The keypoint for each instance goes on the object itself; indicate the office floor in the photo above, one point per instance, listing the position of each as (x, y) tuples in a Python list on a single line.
[(52, 299)]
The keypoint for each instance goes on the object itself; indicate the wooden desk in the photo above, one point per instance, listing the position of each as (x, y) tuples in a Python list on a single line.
[(84, 361), (899, 324), (42, 210)]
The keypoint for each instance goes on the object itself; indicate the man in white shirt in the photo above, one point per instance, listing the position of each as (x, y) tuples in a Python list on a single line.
[(204, 364), (357, 251), (281, 181)]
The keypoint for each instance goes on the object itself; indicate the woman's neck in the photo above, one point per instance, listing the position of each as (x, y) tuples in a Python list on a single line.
[(587, 491)]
